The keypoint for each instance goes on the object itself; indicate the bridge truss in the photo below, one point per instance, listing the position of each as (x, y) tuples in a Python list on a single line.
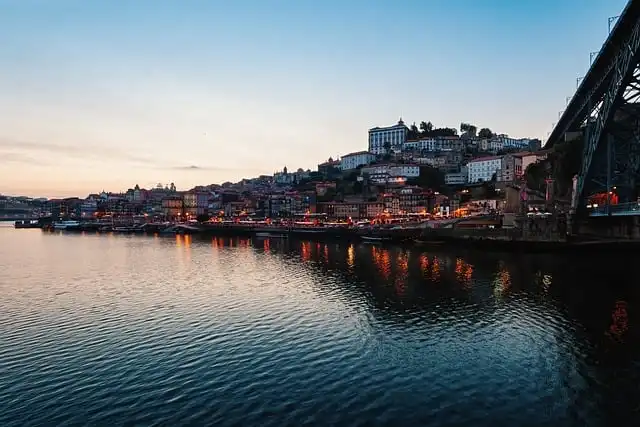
[(606, 108)]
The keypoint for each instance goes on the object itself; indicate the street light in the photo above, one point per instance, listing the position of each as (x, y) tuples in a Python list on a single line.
[(578, 80), (591, 55)]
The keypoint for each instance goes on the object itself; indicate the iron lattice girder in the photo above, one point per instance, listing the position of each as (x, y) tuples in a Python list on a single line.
[(593, 86), (623, 154), (622, 70)]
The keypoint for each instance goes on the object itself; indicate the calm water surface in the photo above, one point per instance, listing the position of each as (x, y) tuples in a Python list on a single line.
[(130, 330)]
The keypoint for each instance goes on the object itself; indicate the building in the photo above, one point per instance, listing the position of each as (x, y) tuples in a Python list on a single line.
[(483, 169), (195, 203), (390, 173), (531, 158), (173, 206), (327, 169), (353, 160), (438, 161), (391, 169), (394, 136), (442, 143), (351, 209), (322, 188), (413, 200), (457, 178), (511, 168)]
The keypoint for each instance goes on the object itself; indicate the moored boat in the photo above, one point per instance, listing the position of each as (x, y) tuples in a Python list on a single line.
[(27, 224), (66, 225)]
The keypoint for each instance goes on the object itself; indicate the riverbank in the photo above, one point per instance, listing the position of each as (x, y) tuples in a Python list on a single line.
[(497, 240)]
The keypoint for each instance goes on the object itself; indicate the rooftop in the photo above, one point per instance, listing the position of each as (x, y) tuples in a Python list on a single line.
[(357, 153), (483, 159)]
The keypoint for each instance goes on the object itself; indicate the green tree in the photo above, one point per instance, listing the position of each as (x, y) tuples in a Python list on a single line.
[(202, 218), (430, 177), (413, 133), (466, 127), (485, 133), (426, 128), (535, 175)]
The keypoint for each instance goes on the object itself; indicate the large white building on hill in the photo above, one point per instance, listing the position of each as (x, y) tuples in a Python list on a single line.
[(395, 135)]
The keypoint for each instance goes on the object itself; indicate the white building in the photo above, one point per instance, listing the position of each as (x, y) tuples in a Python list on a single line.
[(395, 135), (405, 171), (445, 143), (457, 178), (504, 142), (353, 160), (482, 169)]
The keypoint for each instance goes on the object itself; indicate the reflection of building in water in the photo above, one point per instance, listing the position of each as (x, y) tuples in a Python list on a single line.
[(464, 271), (502, 281), (382, 260), (620, 320), (351, 256), (435, 268), (424, 264), (305, 251), (402, 263)]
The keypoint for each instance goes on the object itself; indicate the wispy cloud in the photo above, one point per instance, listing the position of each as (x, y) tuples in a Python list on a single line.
[(11, 157), (201, 168), (76, 151)]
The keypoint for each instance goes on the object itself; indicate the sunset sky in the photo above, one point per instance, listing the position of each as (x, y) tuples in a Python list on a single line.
[(104, 94)]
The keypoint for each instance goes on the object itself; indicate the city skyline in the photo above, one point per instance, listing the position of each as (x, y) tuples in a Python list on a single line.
[(109, 94)]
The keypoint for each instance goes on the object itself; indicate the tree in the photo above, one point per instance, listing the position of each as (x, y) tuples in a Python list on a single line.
[(468, 128), (413, 132), (535, 175), (485, 133), (443, 132), (430, 177), (202, 218), (387, 147), (426, 128)]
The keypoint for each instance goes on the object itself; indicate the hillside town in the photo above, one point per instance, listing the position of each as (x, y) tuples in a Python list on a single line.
[(404, 170)]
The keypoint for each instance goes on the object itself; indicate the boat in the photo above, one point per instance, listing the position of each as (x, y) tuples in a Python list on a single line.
[(266, 234), (376, 239), (308, 230), (428, 242), (66, 225), (27, 224)]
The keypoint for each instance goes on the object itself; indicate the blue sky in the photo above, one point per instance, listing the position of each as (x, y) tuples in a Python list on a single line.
[(109, 93)]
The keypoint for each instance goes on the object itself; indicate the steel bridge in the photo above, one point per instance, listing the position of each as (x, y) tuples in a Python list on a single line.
[(605, 109)]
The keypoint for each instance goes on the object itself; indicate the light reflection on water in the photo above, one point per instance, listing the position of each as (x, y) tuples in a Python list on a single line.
[(109, 329)]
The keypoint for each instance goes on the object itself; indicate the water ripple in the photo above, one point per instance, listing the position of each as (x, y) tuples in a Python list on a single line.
[(130, 330)]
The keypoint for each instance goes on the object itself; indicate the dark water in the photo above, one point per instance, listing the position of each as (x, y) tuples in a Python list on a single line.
[(120, 330)]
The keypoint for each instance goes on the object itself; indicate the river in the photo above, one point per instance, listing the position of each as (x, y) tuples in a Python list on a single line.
[(108, 330)]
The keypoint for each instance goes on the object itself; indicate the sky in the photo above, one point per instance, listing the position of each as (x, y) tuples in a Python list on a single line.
[(106, 94)]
